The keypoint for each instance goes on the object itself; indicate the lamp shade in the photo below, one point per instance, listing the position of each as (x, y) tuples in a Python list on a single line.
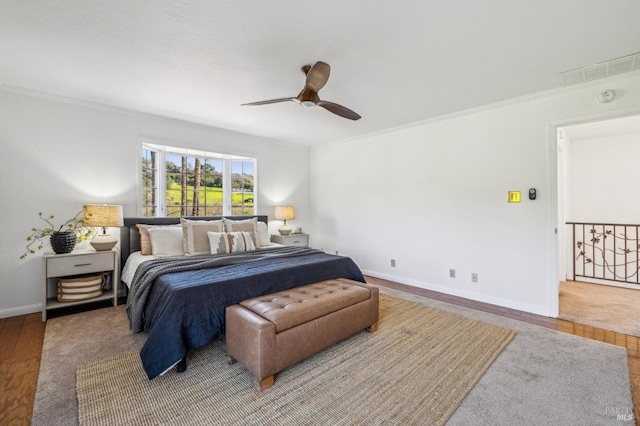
[(285, 213), (102, 215)]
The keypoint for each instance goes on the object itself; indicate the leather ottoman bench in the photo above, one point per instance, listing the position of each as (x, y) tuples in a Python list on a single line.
[(267, 334)]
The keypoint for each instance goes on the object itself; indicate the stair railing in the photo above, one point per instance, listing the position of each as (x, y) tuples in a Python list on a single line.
[(606, 251)]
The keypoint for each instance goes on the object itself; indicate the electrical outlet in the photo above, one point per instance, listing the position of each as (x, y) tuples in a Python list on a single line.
[(337, 252), (452, 273), (474, 277), (393, 263)]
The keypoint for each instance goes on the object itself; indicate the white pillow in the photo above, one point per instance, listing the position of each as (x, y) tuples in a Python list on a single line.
[(145, 241), (166, 241), (230, 242), (194, 232), (263, 235)]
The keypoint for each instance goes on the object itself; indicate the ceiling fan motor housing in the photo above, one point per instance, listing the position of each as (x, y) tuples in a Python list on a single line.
[(308, 97)]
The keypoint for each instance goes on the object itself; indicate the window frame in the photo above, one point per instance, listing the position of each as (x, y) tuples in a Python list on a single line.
[(160, 180)]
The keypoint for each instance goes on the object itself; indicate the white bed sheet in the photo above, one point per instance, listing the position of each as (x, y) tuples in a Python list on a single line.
[(132, 263)]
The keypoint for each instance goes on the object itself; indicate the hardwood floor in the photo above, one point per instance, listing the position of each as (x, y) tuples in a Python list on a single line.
[(20, 349), (21, 341)]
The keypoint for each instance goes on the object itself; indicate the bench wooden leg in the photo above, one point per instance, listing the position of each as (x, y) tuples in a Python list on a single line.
[(231, 360), (373, 327), (265, 383)]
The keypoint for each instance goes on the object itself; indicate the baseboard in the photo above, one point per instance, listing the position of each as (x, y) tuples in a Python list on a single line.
[(479, 297), (21, 310)]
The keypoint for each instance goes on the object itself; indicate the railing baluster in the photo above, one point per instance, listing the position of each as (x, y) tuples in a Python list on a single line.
[(573, 261), (626, 274), (584, 247)]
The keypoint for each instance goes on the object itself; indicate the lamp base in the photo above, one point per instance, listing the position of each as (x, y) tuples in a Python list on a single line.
[(103, 242), (284, 230)]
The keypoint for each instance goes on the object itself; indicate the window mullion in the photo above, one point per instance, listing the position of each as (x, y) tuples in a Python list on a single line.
[(226, 186), (161, 184)]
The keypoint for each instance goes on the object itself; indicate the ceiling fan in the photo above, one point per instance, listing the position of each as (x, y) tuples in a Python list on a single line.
[(317, 77)]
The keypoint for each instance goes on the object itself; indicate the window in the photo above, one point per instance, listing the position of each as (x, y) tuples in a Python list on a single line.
[(183, 182)]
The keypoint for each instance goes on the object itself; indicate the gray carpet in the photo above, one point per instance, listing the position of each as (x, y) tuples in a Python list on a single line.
[(69, 342), (543, 377)]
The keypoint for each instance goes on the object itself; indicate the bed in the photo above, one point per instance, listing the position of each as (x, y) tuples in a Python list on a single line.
[(180, 300)]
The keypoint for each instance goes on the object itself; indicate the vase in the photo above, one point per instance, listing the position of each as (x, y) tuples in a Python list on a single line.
[(63, 242)]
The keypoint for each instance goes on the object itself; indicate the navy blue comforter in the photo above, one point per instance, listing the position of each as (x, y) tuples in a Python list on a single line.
[(186, 310)]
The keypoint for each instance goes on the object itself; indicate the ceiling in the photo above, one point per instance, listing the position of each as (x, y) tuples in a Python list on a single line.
[(392, 62)]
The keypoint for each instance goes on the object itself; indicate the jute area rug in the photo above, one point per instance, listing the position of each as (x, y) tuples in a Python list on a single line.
[(603, 306), (416, 369)]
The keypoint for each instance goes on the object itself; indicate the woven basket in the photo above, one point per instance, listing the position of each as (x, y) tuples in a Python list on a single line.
[(80, 288)]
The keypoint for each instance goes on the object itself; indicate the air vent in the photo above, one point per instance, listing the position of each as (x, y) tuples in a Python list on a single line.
[(601, 70)]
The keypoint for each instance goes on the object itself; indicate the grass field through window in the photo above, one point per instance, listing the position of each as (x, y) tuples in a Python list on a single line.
[(210, 201)]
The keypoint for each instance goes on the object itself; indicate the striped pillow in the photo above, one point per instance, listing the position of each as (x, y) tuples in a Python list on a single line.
[(230, 242), (246, 225)]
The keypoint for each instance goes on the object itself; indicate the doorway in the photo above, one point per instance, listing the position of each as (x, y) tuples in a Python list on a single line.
[(597, 177)]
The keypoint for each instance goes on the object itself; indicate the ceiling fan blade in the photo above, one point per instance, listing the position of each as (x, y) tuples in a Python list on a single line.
[(339, 110), (318, 75), (273, 101)]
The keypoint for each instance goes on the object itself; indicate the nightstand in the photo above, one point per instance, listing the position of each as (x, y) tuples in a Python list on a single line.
[(301, 240), (78, 263)]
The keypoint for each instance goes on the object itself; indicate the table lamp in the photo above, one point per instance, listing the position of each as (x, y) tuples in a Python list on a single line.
[(285, 213), (103, 216)]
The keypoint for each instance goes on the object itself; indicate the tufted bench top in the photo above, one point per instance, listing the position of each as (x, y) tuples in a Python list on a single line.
[(289, 308)]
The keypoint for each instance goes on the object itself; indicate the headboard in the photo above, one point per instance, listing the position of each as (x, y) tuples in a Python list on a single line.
[(130, 236)]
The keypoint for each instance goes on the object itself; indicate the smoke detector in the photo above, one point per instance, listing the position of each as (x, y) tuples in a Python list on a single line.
[(606, 96)]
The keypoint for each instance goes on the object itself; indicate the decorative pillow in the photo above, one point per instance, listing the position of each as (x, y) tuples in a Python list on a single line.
[(247, 225), (145, 241), (194, 232), (263, 235), (166, 241), (230, 242)]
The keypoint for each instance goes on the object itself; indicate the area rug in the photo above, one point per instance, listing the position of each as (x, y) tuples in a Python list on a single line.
[(601, 306), (416, 369), (570, 379)]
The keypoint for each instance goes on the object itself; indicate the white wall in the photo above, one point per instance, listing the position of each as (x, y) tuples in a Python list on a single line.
[(434, 196), (59, 155), (431, 196), (604, 173)]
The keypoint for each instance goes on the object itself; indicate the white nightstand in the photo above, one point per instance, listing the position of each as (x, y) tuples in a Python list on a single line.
[(301, 240), (78, 263)]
